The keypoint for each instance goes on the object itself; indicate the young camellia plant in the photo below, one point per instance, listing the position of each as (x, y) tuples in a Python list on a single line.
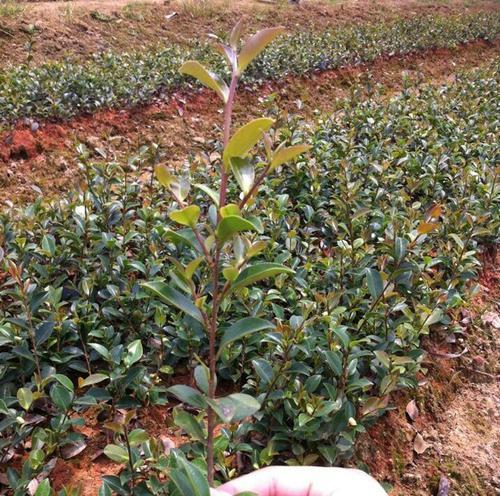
[(223, 237)]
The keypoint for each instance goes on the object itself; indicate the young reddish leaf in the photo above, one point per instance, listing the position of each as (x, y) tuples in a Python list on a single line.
[(235, 36), (206, 77), (427, 227)]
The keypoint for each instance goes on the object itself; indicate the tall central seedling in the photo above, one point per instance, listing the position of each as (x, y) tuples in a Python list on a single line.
[(223, 238)]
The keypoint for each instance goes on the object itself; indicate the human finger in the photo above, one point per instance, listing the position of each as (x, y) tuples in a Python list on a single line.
[(305, 481)]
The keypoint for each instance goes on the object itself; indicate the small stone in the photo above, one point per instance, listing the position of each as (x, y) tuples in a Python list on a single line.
[(409, 478)]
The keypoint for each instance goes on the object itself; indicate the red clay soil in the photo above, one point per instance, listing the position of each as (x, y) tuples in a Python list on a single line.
[(44, 159), (458, 409)]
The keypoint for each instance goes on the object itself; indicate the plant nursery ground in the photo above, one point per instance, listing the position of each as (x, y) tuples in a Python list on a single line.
[(357, 315)]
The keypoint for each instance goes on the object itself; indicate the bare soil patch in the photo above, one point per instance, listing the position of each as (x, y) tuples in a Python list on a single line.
[(459, 409)]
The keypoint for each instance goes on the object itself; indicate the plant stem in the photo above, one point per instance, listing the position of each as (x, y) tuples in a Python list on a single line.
[(213, 323), (228, 116)]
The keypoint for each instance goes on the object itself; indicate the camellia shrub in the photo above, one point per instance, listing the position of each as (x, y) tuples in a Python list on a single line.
[(381, 223), (67, 88)]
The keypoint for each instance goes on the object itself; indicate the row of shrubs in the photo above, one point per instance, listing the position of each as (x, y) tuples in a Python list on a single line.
[(109, 79), (382, 224)]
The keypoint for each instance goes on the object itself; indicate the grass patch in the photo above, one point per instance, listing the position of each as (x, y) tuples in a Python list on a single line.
[(10, 8)]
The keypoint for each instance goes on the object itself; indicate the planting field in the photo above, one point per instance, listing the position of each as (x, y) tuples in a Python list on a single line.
[(222, 253)]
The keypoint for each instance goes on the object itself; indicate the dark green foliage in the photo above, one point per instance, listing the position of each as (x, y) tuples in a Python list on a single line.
[(109, 80), (382, 225)]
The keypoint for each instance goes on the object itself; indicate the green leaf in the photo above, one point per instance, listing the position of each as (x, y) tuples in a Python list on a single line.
[(43, 488), (189, 423), (202, 377), (235, 407), (135, 352), (187, 216), (400, 246), (192, 266), (189, 479), (256, 44), (116, 453), (334, 361), (242, 328), (286, 154), (209, 191), (245, 138), (244, 172), (43, 332), (375, 282), (206, 77), (25, 398), (49, 245), (65, 381), (188, 395), (61, 397), (137, 437), (102, 350), (164, 176), (233, 224), (91, 380), (257, 272), (173, 297), (264, 370)]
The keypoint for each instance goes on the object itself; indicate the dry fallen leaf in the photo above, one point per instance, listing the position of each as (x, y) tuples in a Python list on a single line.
[(419, 445), (71, 450), (412, 410), (491, 318)]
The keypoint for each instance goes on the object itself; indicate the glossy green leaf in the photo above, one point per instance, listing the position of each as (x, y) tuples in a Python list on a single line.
[(233, 224), (137, 437), (214, 196), (244, 172), (135, 352), (245, 138), (187, 216), (188, 395), (61, 397), (189, 423), (25, 398), (286, 154), (206, 77), (375, 282), (243, 328), (202, 377), (264, 370), (173, 297), (43, 488), (257, 272), (116, 453), (91, 380)]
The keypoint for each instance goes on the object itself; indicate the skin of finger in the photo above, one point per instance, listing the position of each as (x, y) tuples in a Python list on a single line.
[(305, 481)]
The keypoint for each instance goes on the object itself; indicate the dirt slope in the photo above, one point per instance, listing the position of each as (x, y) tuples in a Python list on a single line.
[(458, 410)]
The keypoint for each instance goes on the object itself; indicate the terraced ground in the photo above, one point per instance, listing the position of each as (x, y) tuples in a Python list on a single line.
[(391, 224)]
